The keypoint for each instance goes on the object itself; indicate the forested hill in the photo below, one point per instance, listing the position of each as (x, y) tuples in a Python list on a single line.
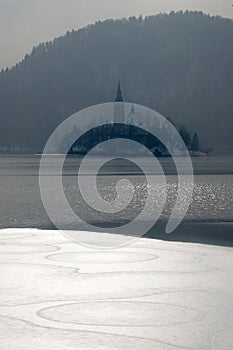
[(180, 64)]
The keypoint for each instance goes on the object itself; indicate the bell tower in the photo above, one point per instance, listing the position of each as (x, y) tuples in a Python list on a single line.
[(119, 107), (119, 97)]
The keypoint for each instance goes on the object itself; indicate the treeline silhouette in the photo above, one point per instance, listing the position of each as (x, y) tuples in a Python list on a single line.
[(180, 64)]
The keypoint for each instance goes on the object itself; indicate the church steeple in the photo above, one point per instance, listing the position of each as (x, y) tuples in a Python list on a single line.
[(119, 97), (119, 106)]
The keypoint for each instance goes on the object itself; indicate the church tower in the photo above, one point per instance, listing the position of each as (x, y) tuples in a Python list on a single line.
[(119, 107), (119, 97)]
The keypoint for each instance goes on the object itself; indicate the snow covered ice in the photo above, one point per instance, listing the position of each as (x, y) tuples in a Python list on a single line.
[(58, 295)]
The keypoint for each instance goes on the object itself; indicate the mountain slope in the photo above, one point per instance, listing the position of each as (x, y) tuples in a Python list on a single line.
[(180, 64)]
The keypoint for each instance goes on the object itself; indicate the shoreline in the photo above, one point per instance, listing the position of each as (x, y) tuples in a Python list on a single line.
[(216, 233)]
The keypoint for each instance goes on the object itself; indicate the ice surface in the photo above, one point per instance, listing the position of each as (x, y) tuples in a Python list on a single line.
[(57, 295)]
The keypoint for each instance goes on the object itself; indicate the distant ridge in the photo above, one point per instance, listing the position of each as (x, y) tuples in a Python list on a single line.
[(180, 64)]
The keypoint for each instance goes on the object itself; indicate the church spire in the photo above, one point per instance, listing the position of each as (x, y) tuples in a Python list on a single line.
[(119, 97)]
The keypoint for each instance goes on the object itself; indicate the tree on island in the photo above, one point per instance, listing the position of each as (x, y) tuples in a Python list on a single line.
[(185, 136), (195, 143)]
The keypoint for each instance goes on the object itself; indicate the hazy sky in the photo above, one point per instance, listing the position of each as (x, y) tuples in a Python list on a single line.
[(25, 23)]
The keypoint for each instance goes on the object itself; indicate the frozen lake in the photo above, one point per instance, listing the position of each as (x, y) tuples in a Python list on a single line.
[(57, 295), (151, 294)]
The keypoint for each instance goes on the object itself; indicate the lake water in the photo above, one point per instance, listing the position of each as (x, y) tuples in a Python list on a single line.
[(21, 204)]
